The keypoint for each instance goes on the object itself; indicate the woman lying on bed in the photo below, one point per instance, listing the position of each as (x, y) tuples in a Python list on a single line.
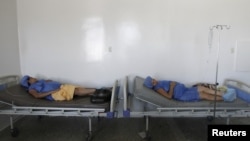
[(53, 90), (178, 91)]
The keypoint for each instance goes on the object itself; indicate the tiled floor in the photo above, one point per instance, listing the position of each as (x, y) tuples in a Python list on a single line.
[(121, 129)]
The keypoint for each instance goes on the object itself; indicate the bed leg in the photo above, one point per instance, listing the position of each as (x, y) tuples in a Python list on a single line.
[(228, 120), (145, 135), (89, 135), (11, 122), (90, 125), (13, 131), (147, 122)]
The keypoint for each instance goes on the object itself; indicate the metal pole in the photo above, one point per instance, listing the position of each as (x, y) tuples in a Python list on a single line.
[(217, 68), (218, 27)]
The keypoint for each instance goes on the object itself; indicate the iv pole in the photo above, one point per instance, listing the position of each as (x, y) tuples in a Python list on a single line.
[(218, 28)]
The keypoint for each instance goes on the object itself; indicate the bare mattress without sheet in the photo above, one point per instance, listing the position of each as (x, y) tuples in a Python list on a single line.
[(18, 96), (148, 95)]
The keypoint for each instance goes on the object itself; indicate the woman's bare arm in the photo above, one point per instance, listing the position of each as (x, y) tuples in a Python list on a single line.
[(168, 94)]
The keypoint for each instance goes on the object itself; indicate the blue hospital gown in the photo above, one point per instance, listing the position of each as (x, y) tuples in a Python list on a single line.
[(42, 86), (181, 92)]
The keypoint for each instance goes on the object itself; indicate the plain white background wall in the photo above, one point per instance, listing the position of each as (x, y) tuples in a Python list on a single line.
[(93, 42), (9, 52)]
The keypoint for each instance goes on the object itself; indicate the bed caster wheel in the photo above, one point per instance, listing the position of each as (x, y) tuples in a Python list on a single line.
[(14, 132), (89, 137), (148, 138), (39, 118), (145, 136), (210, 118)]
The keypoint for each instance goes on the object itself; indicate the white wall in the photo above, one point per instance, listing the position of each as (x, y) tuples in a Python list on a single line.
[(9, 52), (93, 42)]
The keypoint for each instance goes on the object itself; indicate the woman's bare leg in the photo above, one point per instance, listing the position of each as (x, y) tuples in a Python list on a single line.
[(208, 91), (210, 97), (84, 91)]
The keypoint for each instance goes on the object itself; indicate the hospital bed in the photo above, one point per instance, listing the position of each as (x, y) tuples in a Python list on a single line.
[(145, 102), (19, 102)]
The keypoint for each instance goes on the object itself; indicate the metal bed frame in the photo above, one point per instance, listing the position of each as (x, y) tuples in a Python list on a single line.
[(136, 106), (11, 80)]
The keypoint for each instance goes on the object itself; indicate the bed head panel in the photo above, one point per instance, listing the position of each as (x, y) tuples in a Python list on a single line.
[(8, 81), (242, 89)]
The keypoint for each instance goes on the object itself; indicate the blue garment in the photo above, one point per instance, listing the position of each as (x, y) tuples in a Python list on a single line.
[(162, 84), (181, 92), (24, 81), (148, 82), (42, 86)]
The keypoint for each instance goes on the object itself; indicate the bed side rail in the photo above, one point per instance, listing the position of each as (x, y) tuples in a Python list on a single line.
[(9, 80), (114, 99), (52, 111), (196, 112)]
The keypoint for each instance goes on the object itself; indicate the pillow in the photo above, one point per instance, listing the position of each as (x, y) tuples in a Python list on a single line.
[(241, 94)]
